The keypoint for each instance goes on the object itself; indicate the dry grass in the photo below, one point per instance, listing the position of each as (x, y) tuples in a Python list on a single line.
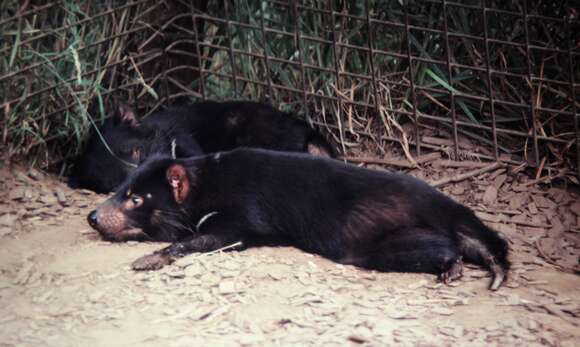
[(62, 63)]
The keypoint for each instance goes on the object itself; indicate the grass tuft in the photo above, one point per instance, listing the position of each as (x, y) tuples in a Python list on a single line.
[(64, 64)]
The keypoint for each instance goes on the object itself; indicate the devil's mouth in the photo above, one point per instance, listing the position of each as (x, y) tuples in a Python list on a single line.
[(127, 234)]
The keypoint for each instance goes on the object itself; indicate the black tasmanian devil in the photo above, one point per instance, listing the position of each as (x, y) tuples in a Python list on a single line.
[(352, 215), (188, 130)]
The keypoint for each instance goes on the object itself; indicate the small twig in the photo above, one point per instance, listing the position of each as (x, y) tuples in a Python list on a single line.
[(559, 313), (391, 162), (464, 176), (546, 178), (141, 80), (550, 261), (233, 245), (550, 308), (463, 164), (540, 168), (516, 222), (395, 162), (529, 224), (493, 210), (422, 159)]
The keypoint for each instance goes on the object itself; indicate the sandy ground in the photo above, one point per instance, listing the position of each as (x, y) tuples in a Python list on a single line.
[(60, 285)]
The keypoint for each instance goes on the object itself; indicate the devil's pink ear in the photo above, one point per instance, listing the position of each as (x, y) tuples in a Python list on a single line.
[(179, 182), (126, 114), (136, 154)]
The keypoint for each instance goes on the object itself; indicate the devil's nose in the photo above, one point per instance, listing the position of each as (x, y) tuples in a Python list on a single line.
[(92, 219)]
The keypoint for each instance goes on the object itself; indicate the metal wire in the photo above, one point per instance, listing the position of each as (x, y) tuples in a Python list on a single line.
[(492, 128)]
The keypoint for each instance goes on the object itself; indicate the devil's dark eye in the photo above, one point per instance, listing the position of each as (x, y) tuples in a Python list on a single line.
[(137, 200)]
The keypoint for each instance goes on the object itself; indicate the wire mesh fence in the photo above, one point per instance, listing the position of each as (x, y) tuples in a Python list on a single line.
[(493, 80)]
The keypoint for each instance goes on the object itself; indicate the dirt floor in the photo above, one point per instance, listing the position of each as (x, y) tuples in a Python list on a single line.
[(60, 285)]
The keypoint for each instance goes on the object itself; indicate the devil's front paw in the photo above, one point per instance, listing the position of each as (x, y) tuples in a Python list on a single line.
[(454, 272), (149, 262)]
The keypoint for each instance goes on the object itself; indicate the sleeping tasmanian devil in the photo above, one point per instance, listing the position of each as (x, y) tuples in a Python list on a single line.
[(352, 215), (189, 130)]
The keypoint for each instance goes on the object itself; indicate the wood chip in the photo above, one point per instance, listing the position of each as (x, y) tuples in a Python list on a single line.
[(575, 208), (518, 200), (558, 195), (488, 217), (499, 181), (443, 311), (532, 208), (490, 195), (543, 202), (34, 174), (417, 285), (401, 314), (24, 274), (17, 193), (227, 287), (457, 190), (8, 220), (61, 197)]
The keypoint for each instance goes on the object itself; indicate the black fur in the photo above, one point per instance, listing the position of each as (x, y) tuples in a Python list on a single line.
[(377, 220), (204, 127)]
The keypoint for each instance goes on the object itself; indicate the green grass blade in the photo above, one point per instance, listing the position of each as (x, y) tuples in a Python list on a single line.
[(14, 49), (440, 80)]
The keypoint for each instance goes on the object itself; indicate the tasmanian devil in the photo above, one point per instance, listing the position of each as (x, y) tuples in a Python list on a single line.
[(352, 215), (124, 142)]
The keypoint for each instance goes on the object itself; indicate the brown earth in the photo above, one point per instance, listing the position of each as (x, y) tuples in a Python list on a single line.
[(61, 286)]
